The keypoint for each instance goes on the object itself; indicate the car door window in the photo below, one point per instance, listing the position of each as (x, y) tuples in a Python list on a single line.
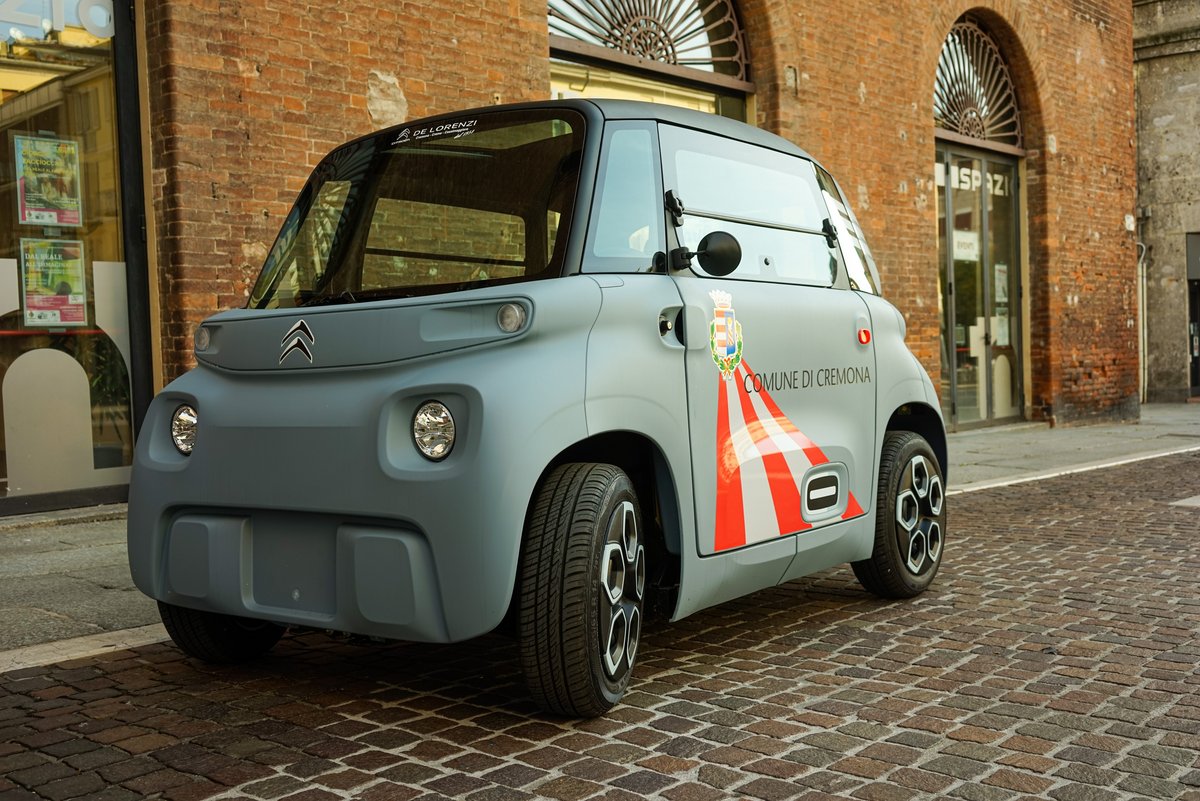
[(627, 220), (770, 201), (860, 265)]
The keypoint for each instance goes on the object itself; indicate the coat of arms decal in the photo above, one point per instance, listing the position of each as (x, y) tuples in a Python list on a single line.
[(725, 334)]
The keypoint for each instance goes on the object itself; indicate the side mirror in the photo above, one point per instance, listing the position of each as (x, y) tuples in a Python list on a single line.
[(719, 253)]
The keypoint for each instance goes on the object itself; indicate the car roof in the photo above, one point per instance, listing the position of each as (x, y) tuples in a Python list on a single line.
[(722, 126), (612, 109)]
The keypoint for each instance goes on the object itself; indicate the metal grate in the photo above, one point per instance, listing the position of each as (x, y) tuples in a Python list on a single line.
[(973, 94), (703, 34)]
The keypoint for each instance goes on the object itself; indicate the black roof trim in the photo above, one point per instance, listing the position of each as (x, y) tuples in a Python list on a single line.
[(629, 110), (711, 123)]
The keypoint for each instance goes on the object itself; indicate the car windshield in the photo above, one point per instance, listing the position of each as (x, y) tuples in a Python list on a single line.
[(454, 204)]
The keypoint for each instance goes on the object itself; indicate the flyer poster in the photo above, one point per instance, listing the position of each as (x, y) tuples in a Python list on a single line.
[(53, 283), (48, 186)]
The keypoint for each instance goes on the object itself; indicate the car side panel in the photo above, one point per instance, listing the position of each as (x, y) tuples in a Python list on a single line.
[(902, 378), (635, 376)]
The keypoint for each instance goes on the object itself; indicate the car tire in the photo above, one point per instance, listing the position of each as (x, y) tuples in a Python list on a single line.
[(582, 585), (217, 638), (910, 519)]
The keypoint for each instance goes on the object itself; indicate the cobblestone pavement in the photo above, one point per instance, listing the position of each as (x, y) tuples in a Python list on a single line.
[(1055, 657)]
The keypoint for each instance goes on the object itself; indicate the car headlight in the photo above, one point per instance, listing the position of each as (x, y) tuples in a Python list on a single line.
[(203, 338), (433, 430), (183, 429)]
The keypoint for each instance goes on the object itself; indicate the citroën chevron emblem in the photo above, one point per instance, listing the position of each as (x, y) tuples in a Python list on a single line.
[(293, 341)]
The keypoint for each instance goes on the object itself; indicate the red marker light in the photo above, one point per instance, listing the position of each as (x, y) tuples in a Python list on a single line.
[(864, 336)]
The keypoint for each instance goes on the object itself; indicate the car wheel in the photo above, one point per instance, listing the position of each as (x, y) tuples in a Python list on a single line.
[(910, 519), (582, 584), (218, 638)]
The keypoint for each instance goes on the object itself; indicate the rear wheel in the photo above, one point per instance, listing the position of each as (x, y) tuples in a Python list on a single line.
[(583, 580), (213, 637), (910, 519)]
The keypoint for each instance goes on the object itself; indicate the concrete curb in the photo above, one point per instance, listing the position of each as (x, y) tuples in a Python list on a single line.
[(1066, 471), (64, 517), (49, 653)]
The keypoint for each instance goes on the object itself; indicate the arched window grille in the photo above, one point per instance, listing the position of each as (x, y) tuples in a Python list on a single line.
[(676, 37), (973, 93)]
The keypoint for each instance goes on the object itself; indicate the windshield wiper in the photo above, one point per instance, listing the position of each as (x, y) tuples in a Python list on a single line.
[(345, 296)]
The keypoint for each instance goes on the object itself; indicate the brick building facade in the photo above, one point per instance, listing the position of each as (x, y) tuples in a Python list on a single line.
[(245, 98), (1013, 257)]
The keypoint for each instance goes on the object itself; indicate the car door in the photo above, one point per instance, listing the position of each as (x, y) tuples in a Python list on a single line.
[(780, 368)]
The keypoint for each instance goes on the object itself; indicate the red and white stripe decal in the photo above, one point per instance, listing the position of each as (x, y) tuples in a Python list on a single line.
[(761, 461)]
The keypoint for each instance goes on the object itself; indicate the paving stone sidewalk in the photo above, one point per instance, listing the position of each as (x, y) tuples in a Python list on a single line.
[(1055, 657)]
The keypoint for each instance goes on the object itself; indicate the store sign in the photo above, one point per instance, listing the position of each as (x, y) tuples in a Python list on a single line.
[(970, 179), (95, 16), (966, 246)]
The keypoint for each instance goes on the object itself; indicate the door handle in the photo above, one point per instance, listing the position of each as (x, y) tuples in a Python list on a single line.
[(671, 320)]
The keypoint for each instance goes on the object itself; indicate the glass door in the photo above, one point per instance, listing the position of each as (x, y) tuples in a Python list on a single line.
[(980, 288), (1003, 315), (1194, 337)]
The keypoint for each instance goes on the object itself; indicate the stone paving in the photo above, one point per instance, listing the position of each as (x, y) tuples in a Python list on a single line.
[(1056, 656)]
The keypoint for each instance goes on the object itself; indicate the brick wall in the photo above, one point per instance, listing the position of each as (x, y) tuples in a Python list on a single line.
[(860, 100), (248, 96)]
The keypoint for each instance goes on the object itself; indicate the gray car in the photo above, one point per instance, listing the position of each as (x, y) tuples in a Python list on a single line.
[(553, 365)]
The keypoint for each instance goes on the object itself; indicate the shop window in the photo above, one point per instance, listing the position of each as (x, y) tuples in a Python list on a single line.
[(65, 412)]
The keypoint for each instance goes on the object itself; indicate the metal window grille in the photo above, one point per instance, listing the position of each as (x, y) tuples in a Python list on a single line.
[(973, 94), (701, 34)]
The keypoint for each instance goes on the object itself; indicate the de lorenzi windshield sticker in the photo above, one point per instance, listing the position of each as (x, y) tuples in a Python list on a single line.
[(454, 130), (762, 456)]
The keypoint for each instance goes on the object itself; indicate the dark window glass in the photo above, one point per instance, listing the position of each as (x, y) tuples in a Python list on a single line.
[(436, 208)]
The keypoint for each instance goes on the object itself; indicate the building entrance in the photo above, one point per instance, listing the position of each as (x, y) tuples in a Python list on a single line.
[(979, 268), (1194, 336)]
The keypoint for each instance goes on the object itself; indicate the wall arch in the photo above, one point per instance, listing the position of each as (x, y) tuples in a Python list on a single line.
[(1020, 44)]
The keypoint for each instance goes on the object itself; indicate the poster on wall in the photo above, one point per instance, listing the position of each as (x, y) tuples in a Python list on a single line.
[(53, 283), (49, 191)]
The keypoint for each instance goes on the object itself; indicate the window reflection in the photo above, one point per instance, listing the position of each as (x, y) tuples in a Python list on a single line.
[(628, 216), (65, 423)]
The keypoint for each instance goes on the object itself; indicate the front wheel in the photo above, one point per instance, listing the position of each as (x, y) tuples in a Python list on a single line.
[(217, 638), (583, 580), (910, 519)]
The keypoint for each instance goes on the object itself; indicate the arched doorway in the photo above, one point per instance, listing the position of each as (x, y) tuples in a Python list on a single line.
[(679, 52), (979, 152)]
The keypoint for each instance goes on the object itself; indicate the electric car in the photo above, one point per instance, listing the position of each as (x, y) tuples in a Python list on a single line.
[(554, 365)]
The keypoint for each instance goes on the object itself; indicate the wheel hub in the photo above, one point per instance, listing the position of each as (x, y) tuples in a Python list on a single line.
[(918, 513), (623, 583)]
